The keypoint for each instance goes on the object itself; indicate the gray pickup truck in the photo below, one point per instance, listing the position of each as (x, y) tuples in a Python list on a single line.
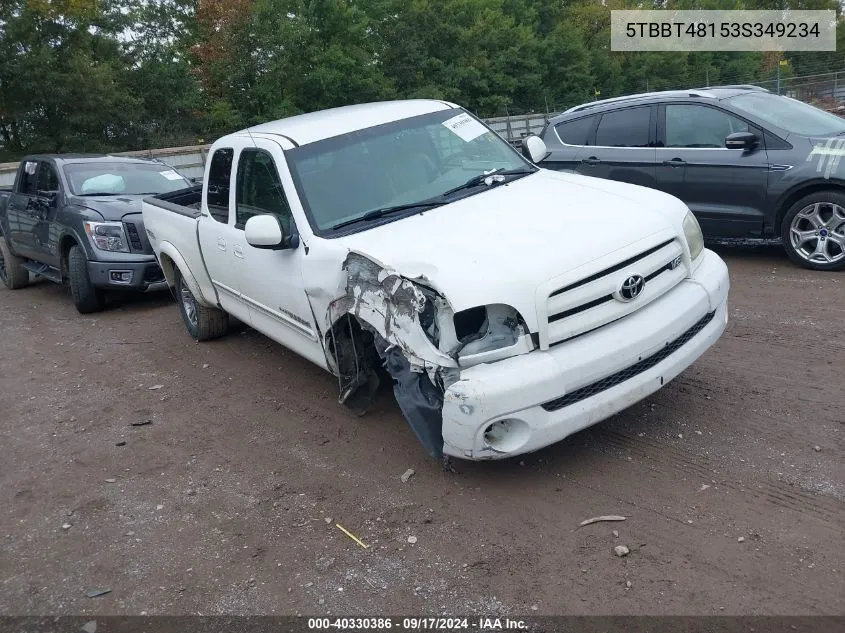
[(78, 219)]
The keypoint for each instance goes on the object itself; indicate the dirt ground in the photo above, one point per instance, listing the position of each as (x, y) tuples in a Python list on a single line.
[(731, 477)]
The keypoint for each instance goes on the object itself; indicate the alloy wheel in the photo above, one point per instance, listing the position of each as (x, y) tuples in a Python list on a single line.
[(817, 233)]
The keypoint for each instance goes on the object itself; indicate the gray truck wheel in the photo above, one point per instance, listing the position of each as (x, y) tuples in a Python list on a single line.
[(202, 323), (12, 273), (86, 297)]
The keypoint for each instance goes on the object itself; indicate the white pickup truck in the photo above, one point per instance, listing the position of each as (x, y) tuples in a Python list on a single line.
[(510, 305)]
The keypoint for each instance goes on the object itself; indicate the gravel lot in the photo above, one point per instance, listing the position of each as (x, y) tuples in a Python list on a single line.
[(731, 477)]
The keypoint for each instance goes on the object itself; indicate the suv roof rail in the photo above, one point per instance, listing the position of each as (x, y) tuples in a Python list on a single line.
[(737, 87), (697, 92)]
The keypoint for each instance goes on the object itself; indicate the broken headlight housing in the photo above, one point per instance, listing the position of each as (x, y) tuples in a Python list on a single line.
[(693, 235), (107, 236), (489, 333)]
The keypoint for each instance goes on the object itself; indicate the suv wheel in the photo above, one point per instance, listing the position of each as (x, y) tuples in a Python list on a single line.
[(813, 231), (86, 297), (201, 322), (12, 273)]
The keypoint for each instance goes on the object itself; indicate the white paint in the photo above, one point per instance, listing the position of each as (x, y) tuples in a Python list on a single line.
[(465, 127), (510, 245)]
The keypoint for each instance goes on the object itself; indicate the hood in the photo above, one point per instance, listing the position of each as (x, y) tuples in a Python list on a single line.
[(500, 245), (110, 207)]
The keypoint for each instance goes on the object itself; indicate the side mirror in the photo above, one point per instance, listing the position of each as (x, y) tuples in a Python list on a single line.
[(50, 197), (265, 231), (741, 140), (534, 149)]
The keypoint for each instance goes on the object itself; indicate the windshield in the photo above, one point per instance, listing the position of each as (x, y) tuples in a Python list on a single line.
[(113, 178), (342, 178), (788, 114)]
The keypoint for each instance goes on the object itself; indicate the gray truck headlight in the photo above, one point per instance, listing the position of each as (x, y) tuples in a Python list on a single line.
[(107, 236), (692, 232)]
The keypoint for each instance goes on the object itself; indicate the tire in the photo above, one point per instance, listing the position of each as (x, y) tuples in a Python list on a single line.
[(203, 323), (86, 297), (813, 231), (12, 273)]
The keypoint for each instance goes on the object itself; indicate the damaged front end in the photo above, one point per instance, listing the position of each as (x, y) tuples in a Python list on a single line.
[(388, 323)]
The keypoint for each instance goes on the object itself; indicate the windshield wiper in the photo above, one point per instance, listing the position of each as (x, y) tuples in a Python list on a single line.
[(383, 211), (480, 178), (100, 193)]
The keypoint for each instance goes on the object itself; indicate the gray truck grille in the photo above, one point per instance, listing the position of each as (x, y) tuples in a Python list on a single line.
[(134, 237), (629, 372)]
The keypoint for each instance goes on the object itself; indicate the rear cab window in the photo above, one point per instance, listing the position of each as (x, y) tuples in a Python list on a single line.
[(217, 189), (28, 184)]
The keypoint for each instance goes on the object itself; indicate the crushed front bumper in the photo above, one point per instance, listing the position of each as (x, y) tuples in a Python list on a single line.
[(524, 403)]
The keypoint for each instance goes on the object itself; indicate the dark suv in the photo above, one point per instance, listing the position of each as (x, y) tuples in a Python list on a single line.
[(747, 162)]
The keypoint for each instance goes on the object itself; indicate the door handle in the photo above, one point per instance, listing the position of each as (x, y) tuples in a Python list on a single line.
[(675, 162), (221, 244), (238, 251), (592, 160)]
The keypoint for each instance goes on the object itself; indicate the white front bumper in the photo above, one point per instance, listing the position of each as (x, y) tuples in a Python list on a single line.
[(516, 388)]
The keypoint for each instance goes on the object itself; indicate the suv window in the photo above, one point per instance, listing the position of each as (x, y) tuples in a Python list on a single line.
[(219, 176), (47, 178), (576, 132), (700, 126), (29, 178), (624, 128), (259, 189)]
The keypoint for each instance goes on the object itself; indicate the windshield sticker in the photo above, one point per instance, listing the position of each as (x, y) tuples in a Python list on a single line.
[(29, 167), (465, 126), (171, 175)]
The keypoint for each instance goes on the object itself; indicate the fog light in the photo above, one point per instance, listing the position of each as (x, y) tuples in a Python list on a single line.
[(121, 276), (506, 436)]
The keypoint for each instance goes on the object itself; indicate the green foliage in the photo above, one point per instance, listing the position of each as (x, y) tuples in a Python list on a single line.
[(102, 75)]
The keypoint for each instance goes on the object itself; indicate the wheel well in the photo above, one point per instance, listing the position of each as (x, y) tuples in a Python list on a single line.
[(793, 197), (169, 269), (65, 245), (356, 361)]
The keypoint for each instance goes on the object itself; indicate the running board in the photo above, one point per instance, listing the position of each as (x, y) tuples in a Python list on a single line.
[(43, 270)]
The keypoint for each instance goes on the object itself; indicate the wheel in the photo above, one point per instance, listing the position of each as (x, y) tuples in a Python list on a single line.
[(86, 297), (202, 323), (12, 272), (813, 231)]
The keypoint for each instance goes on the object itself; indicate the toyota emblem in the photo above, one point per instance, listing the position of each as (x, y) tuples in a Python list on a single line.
[(631, 288)]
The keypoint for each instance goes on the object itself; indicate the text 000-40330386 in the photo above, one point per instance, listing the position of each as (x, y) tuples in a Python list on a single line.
[(701, 30)]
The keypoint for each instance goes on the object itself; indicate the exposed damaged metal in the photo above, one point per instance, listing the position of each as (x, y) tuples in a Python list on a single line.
[(409, 329)]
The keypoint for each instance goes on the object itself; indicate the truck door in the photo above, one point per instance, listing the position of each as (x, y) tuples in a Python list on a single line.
[(273, 287), (43, 208), (20, 210), (221, 243)]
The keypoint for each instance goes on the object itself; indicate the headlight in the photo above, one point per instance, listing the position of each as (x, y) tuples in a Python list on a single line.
[(107, 236), (695, 240)]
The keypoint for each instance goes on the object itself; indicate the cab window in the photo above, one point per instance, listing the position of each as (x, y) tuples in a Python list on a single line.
[(259, 190)]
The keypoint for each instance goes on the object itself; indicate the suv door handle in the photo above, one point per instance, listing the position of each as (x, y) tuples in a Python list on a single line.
[(238, 251), (675, 162), (592, 160)]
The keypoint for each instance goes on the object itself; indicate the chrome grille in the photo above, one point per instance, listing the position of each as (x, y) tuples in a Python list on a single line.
[(590, 302)]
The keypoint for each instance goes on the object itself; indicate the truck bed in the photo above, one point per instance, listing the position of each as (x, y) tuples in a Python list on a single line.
[(171, 222)]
